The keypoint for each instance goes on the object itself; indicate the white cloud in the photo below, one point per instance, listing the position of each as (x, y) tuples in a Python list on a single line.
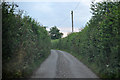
[(83, 15), (83, 1), (43, 0), (42, 8), (86, 2), (67, 30)]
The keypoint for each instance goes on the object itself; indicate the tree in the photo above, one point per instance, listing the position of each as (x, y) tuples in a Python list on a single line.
[(54, 33)]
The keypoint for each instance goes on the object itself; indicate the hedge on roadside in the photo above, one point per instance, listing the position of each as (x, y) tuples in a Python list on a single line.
[(25, 43), (98, 44)]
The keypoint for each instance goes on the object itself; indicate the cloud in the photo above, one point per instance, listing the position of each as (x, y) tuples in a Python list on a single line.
[(67, 30), (44, 0), (42, 7), (53, 14), (86, 2)]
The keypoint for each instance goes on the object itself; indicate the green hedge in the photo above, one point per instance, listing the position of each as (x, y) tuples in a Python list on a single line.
[(25, 43), (98, 44)]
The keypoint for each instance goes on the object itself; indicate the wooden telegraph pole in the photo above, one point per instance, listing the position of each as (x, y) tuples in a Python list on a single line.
[(72, 19)]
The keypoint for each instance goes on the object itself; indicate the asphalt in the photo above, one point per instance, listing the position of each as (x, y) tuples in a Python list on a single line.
[(61, 64)]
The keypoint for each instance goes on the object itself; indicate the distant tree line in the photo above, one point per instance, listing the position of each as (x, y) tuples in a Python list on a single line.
[(25, 43), (98, 44)]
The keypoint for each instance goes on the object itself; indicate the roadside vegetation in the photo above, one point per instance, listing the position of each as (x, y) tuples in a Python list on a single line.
[(55, 33), (98, 44), (25, 43)]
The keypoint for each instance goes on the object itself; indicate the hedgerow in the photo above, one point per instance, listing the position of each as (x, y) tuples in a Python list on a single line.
[(98, 44), (25, 43)]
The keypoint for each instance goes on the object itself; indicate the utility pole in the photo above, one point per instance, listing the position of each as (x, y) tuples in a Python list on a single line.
[(72, 19)]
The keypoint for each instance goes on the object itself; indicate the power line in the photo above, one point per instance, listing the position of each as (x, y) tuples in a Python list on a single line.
[(63, 21), (76, 6), (67, 17)]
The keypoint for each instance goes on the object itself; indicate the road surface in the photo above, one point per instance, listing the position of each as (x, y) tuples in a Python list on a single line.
[(61, 64)]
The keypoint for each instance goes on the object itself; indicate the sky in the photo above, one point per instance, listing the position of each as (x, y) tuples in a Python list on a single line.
[(58, 13)]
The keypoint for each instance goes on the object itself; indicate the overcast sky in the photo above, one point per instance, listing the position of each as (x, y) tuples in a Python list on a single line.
[(58, 13)]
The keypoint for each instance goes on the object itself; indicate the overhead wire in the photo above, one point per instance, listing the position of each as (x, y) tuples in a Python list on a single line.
[(76, 6), (67, 17), (63, 21)]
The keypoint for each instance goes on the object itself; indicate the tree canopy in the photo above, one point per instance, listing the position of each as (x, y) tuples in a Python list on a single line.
[(55, 33)]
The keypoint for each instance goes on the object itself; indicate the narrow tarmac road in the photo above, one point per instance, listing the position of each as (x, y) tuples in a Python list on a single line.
[(61, 64)]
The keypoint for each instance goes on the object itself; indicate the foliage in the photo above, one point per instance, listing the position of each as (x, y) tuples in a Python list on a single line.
[(98, 44), (25, 44), (54, 33)]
